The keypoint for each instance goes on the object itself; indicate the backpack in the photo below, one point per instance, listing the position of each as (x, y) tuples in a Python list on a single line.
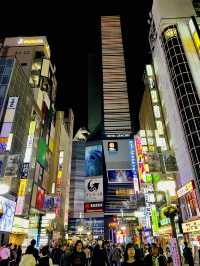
[(116, 255)]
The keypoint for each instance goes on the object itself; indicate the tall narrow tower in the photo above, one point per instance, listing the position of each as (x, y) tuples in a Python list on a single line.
[(117, 122)]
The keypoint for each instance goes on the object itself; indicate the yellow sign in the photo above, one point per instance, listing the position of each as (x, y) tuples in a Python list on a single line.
[(185, 189), (34, 41), (192, 226), (32, 128), (22, 187), (195, 35)]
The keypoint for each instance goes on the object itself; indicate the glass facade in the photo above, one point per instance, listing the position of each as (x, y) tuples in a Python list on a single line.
[(185, 92)]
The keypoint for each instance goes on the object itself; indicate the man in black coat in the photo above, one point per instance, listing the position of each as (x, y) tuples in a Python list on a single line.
[(154, 258)]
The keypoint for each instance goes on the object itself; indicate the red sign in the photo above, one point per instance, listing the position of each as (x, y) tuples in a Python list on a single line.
[(40, 199), (93, 207)]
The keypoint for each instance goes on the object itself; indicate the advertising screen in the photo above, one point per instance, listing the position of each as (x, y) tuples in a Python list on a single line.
[(94, 189), (50, 202), (12, 165), (7, 207), (94, 160), (93, 207), (42, 149), (120, 176), (117, 154)]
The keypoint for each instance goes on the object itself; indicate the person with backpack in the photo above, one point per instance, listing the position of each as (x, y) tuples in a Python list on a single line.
[(45, 259), (115, 256)]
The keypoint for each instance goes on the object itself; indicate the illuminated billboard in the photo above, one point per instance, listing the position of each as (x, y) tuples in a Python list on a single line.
[(94, 160), (94, 189), (7, 207), (120, 176)]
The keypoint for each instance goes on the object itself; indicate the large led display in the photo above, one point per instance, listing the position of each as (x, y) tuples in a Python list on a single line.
[(7, 207), (94, 160), (120, 176)]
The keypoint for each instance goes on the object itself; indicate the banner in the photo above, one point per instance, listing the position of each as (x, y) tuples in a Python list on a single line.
[(94, 189)]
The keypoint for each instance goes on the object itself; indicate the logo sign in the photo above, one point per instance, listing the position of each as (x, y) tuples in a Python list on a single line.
[(185, 189), (93, 207), (175, 252), (94, 189), (192, 226)]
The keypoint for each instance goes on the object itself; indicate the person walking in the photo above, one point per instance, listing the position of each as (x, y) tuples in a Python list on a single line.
[(115, 256), (56, 254), (77, 258), (45, 259), (154, 258), (87, 255), (28, 259), (13, 256), (5, 255), (187, 253), (64, 261), (99, 256), (130, 258), (35, 250), (19, 255)]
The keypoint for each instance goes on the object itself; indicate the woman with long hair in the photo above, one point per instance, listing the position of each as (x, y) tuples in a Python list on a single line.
[(78, 257), (129, 257)]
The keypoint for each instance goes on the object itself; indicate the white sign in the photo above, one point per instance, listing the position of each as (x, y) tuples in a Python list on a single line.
[(94, 189)]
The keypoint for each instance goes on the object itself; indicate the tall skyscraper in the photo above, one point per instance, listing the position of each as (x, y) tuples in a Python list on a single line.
[(117, 122), (174, 41)]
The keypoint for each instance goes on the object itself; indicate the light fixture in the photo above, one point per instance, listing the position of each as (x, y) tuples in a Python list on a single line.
[(4, 188)]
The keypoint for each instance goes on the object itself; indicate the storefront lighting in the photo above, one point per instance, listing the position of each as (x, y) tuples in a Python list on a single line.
[(4, 188)]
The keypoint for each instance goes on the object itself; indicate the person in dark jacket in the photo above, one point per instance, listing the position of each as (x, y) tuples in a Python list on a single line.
[(56, 254), (45, 259), (65, 256), (130, 257), (35, 250), (154, 258), (19, 254), (187, 253), (77, 258), (99, 256)]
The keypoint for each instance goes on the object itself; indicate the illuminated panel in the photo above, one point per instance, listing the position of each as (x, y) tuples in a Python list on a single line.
[(5, 135), (134, 166), (140, 159), (195, 35), (192, 226), (21, 197), (185, 189), (29, 145), (116, 106)]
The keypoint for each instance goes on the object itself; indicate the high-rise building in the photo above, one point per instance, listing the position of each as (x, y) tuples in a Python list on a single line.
[(174, 41), (27, 118), (116, 113)]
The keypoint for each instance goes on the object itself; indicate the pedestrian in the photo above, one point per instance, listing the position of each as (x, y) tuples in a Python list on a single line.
[(99, 256), (35, 250), (65, 256), (5, 255), (56, 254), (129, 257), (115, 256), (77, 258), (13, 256), (154, 258), (169, 257), (45, 259), (28, 259), (87, 255), (19, 254), (187, 253)]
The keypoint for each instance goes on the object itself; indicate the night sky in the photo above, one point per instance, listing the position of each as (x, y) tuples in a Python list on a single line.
[(72, 35)]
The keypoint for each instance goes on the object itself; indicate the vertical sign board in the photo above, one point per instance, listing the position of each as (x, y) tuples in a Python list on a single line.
[(134, 166), (7, 123), (175, 252)]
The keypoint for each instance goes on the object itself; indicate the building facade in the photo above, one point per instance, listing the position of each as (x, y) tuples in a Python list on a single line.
[(174, 38)]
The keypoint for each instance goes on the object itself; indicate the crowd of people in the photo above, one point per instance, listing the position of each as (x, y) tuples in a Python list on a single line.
[(100, 253)]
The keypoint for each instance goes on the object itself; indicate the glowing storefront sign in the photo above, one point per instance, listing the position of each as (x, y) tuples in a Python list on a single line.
[(192, 226), (140, 159), (134, 166), (33, 41), (185, 189), (22, 187), (20, 226), (29, 145)]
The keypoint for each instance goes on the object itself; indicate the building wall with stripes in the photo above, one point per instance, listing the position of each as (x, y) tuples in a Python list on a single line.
[(117, 122)]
